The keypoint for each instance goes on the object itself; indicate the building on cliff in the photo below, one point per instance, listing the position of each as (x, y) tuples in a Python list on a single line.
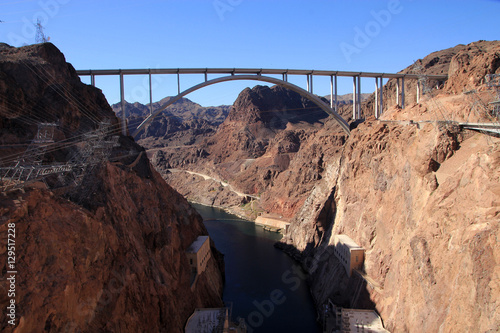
[(198, 254), (350, 254)]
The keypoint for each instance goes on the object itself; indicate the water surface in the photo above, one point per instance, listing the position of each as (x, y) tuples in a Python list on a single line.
[(265, 286)]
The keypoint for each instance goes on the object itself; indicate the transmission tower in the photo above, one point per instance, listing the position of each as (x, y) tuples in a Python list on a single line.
[(96, 150), (40, 36), (29, 167)]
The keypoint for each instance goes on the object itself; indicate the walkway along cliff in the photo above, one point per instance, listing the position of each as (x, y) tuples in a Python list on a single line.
[(106, 255)]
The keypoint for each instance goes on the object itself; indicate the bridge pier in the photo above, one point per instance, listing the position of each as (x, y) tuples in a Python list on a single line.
[(418, 91), (178, 83), (403, 92), (333, 92), (359, 97), (376, 99), (400, 92), (150, 94), (381, 99), (397, 91), (122, 99), (309, 83), (354, 97)]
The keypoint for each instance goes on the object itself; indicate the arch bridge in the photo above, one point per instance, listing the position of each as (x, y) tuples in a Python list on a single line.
[(232, 74)]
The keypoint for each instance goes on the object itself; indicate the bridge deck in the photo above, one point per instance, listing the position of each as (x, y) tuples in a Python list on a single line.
[(256, 71)]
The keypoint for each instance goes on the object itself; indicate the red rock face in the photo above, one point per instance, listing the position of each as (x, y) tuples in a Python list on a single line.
[(110, 267), (430, 245), (106, 256), (422, 199), (274, 145)]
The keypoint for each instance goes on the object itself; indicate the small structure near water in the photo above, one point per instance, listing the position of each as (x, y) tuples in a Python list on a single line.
[(198, 254), (215, 320), (341, 320), (350, 254), (273, 223)]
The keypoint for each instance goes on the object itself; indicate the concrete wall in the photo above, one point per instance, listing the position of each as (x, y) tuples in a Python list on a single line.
[(272, 222), (198, 260), (350, 254)]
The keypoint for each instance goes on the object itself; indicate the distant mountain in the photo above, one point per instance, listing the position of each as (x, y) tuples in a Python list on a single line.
[(182, 123), (347, 98)]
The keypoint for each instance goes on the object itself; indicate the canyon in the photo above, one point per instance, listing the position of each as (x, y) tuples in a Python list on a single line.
[(416, 191), (108, 254)]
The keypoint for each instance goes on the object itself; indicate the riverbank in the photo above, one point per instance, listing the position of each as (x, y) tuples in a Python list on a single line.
[(230, 210)]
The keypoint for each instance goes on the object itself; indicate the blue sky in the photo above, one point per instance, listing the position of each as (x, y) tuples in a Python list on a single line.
[(376, 36)]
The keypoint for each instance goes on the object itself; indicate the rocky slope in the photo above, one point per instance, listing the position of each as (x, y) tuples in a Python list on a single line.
[(466, 66), (422, 199), (259, 149), (270, 146), (110, 254), (182, 123)]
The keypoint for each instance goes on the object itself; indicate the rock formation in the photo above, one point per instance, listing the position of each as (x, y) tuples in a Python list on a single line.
[(182, 123), (110, 254), (419, 194), (270, 146), (422, 199)]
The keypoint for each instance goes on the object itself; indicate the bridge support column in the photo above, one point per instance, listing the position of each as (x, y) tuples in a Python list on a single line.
[(150, 94), (309, 83), (359, 97), (178, 83), (403, 92), (418, 91), (381, 99), (354, 98), (333, 92), (376, 98), (92, 80), (397, 91), (336, 102), (122, 98)]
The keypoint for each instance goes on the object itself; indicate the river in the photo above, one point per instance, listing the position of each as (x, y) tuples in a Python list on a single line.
[(264, 285)]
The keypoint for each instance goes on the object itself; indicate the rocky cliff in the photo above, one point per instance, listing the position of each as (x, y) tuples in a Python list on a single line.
[(269, 149), (419, 194), (422, 199), (108, 255)]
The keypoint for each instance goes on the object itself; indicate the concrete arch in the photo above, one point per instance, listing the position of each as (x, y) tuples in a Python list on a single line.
[(304, 93)]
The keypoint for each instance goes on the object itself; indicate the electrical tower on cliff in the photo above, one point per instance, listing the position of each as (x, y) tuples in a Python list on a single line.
[(94, 149), (40, 35)]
